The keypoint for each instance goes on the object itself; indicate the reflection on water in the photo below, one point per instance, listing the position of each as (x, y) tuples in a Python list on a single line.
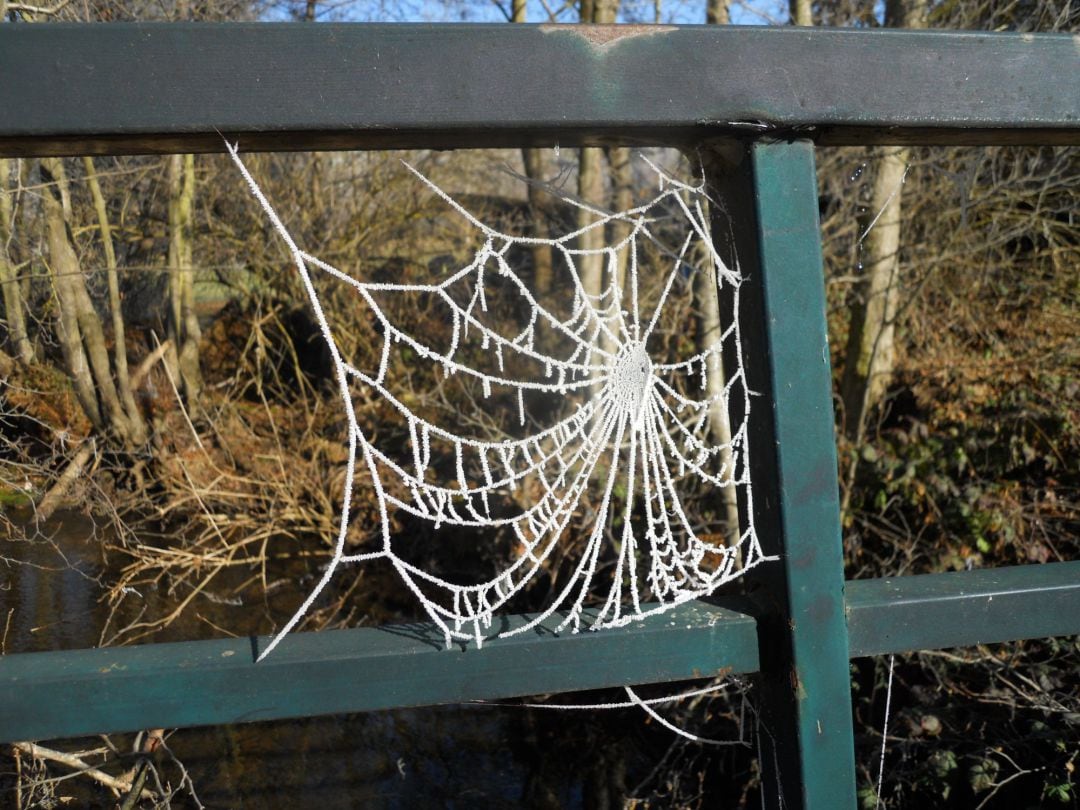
[(437, 758), (442, 757), (456, 757), (48, 588)]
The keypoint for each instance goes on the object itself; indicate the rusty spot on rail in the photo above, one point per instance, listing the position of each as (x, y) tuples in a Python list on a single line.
[(604, 36), (797, 686)]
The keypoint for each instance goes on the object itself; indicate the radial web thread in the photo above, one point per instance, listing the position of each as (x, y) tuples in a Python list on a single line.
[(631, 429)]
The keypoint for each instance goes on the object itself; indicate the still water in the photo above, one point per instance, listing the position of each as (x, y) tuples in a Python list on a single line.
[(51, 597)]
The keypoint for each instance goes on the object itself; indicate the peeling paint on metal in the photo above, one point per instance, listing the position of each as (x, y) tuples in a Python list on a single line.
[(602, 37)]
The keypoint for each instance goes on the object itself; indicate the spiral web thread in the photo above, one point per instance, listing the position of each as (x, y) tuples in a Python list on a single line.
[(635, 429)]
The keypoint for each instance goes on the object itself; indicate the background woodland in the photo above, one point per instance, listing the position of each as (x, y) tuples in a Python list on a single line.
[(160, 372)]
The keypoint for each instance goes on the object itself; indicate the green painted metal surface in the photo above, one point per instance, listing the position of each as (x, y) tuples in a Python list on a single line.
[(72, 693), (124, 88), (785, 186), (768, 192), (75, 692), (963, 608)]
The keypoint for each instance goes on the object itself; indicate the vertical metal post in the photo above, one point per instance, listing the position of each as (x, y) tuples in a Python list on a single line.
[(767, 225)]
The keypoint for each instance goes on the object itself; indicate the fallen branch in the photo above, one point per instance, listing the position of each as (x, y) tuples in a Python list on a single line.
[(56, 494), (39, 752), (26, 8), (148, 363)]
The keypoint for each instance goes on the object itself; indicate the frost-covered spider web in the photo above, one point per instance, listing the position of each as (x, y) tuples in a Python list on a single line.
[(631, 428)]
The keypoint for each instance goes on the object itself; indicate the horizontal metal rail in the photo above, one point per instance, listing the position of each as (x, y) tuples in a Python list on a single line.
[(130, 88), (61, 694), (73, 693), (964, 608)]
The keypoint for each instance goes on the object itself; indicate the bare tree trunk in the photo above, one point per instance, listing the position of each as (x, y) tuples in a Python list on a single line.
[(870, 355), (183, 322), (67, 333), (64, 263), (591, 182), (81, 337), (871, 349), (802, 12), (622, 181), (716, 12), (709, 330), (123, 378), (590, 268), (534, 161), (591, 191), (622, 178), (14, 308), (23, 169)]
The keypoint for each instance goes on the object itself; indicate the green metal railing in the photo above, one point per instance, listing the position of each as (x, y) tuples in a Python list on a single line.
[(753, 102)]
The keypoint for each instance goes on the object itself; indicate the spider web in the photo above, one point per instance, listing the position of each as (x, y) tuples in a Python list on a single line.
[(631, 431)]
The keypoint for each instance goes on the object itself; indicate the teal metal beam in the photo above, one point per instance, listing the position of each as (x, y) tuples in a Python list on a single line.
[(766, 225), (172, 87), (73, 693), (957, 609)]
